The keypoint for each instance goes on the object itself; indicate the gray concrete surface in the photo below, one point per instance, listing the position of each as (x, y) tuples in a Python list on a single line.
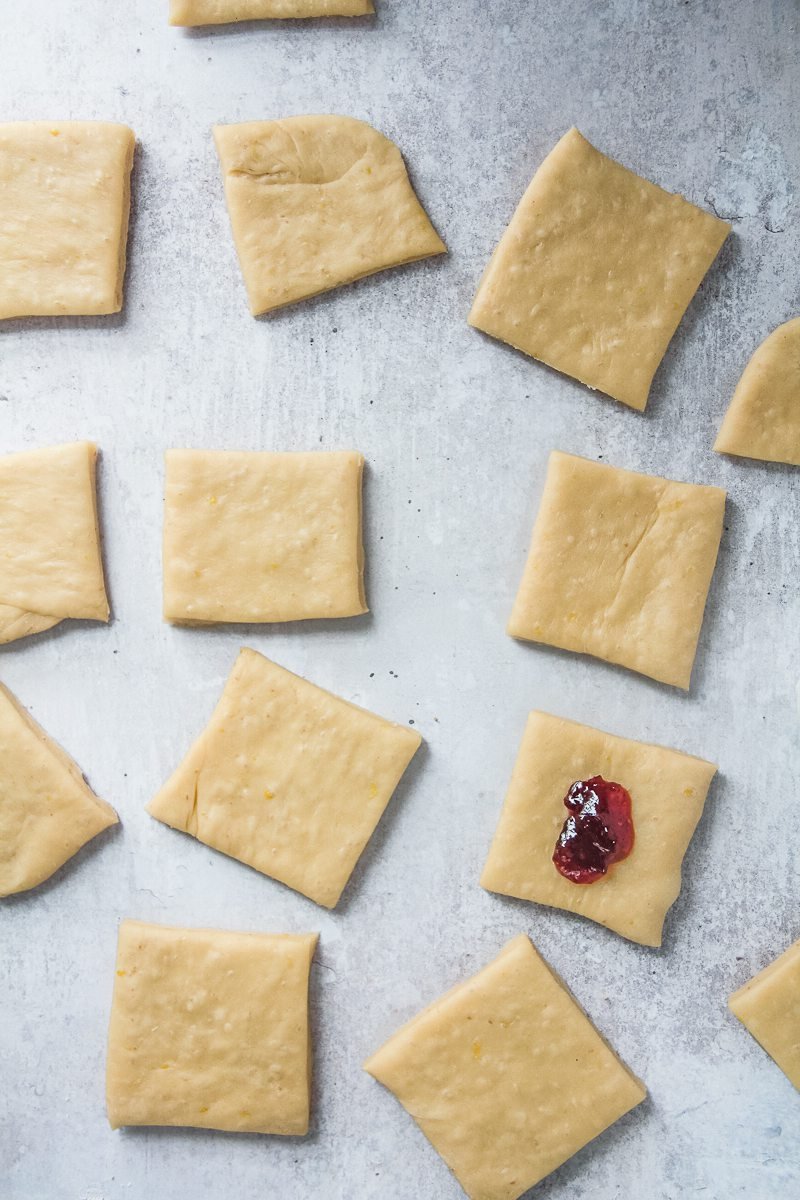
[(701, 97)]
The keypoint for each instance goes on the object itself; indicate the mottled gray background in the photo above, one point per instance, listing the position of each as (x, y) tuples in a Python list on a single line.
[(700, 97)]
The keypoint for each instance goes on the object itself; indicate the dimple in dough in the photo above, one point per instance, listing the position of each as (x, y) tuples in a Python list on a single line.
[(506, 1076), (254, 536), (763, 420), (316, 202), (595, 271), (769, 1008), (50, 564), (219, 12), (47, 810), (210, 1029), (668, 791), (64, 205), (287, 778), (620, 566)]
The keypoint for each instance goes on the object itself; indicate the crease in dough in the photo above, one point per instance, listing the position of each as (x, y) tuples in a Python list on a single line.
[(763, 419), (223, 12)]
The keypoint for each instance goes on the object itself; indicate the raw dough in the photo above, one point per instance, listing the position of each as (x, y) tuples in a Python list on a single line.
[(219, 12), (506, 1076), (47, 810), (64, 203), (620, 566), (287, 778), (769, 1007), (596, 270), (50, 567), (262, 537), (316, 202), (668, 790), (763, 420), (210, 1029)]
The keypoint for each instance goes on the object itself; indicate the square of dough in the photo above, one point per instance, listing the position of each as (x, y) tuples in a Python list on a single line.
[(287, 778), (769, 1008), (316, 202), (595, 271), (50, 565), (763, 420), (64, 203), (668, 790), (506, 1076), (47, 809), (210, 1029), (619, 567), (254, 536), (220, 12)]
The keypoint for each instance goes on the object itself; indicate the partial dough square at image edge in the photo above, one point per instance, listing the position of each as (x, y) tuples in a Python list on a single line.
[(210, 1029), (221, 12), (769, 1008), (668, 791), (506, 1076), (254, 536), (619, 567)]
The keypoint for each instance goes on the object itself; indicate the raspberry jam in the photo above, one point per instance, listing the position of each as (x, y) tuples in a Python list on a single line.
[(598, 831)]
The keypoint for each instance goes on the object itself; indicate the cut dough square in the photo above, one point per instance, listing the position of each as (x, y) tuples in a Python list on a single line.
[(668, 790), (763, 420), (596, 270), (210, 1029), (316, 202), (64, 204), (619, 567), (769, 1008), (287, 778), (50, 565), (47, 810), (220, 12), (262, 537), (506, 1076)]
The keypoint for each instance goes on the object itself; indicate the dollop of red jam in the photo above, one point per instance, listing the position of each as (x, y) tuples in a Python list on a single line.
[(598, 831)]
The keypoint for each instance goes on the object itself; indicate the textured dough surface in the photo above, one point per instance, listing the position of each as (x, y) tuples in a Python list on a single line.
[(763, 420), (210, 1029), (255, 536), (619, 567), (769, 1008), (595, 271), (47, 810), (64, 205), (506, 1076), (219, 12), (50, 564), (668, 790), (287, 778), (315, 202)]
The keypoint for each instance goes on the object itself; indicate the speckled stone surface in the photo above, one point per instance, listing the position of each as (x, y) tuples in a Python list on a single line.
[(700, 97)]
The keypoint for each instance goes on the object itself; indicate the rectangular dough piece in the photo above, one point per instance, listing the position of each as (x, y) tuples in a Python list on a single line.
[(769, 1008), (221, 12)]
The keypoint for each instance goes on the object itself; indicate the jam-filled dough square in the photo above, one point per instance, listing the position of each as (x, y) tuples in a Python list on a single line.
[(219, 12), (619, 567), (506, 1076), (50, 566), (769, 1008), (47, 810), (64, 204), (668, 790), (210, 1029), (254, 536), (595, 271), (287, 778)]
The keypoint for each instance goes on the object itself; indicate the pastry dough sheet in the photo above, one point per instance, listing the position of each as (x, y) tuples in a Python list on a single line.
[(763, 420), (769, 1008), (220, 12)]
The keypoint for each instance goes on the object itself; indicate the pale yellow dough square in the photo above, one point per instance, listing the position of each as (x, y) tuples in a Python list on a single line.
[(47, 810), (316, 202), (210, 1029), (769, 1008), (506, 1076), (595, 271), (255, 536), (619, 567), (64, 204), (220, 12), (763, 420), (287, 778), (668, 790), (50, 564)]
